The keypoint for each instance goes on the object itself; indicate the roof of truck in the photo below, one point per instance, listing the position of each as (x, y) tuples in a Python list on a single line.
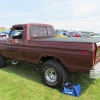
[(33, 24)]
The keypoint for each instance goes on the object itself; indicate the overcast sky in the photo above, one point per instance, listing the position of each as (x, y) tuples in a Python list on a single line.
[(62, 14)]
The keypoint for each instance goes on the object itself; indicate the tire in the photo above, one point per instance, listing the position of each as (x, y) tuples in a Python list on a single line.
[(53, 73), (2, 61)]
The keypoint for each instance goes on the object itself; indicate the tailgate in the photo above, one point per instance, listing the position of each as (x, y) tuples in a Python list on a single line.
[(95, 72), (97, 52)]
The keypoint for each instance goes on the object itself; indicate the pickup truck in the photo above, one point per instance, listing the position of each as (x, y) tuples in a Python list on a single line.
[(37, 44)]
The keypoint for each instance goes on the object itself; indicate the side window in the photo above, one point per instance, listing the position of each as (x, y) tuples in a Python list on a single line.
[(41, 31), (16, 33), (50, 31), (34, 31)]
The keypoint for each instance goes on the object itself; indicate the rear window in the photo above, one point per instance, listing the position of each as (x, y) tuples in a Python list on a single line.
[(41, 31)]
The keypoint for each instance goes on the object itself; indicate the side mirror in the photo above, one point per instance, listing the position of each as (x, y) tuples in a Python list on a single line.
[(7, 35)]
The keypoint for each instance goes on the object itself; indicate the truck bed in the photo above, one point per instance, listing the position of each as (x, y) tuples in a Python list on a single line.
[(70, 39)]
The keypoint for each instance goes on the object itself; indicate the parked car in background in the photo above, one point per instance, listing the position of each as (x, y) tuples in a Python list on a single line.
[(66, 33), (76, 34), (85, 34), (95, 36), (59, 32), (5, 33), (63, 33)]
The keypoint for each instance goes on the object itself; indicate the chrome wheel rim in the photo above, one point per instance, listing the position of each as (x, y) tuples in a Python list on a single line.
[(50, 75)]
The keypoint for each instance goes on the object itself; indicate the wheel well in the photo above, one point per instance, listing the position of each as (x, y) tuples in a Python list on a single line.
[(3, 56), (47, 58)]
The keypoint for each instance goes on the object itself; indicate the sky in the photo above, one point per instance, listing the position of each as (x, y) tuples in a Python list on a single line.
[(83, 15)]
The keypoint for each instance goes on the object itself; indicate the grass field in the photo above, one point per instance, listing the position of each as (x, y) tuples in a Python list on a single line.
[(22, 82), (1, 30)]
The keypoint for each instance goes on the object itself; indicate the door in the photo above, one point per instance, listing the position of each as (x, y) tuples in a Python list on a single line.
[(14, 49)]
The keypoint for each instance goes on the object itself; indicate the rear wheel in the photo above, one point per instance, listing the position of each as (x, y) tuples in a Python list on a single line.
[(2, 61), (53, 73)]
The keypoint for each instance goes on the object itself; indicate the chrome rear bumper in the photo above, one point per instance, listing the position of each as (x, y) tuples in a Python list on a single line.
[(96, 72)]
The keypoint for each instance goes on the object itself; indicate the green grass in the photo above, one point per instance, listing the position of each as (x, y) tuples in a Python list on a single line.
[(22, 82), (1, 29)]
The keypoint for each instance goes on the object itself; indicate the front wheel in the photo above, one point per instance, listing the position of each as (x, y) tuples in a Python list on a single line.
[(2, 61), (53, 73)]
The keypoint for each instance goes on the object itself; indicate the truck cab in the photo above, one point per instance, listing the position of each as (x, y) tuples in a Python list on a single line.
[(32, 31), (20, 35)]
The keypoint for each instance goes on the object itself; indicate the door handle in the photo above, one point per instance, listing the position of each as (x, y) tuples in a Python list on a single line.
[(18, 42)]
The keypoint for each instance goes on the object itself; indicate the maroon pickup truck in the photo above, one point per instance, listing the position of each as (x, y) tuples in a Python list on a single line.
[(37, 44)]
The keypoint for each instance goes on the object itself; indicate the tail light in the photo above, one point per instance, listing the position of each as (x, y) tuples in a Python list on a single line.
[(94, 54), (93, 57), (84, 52)]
